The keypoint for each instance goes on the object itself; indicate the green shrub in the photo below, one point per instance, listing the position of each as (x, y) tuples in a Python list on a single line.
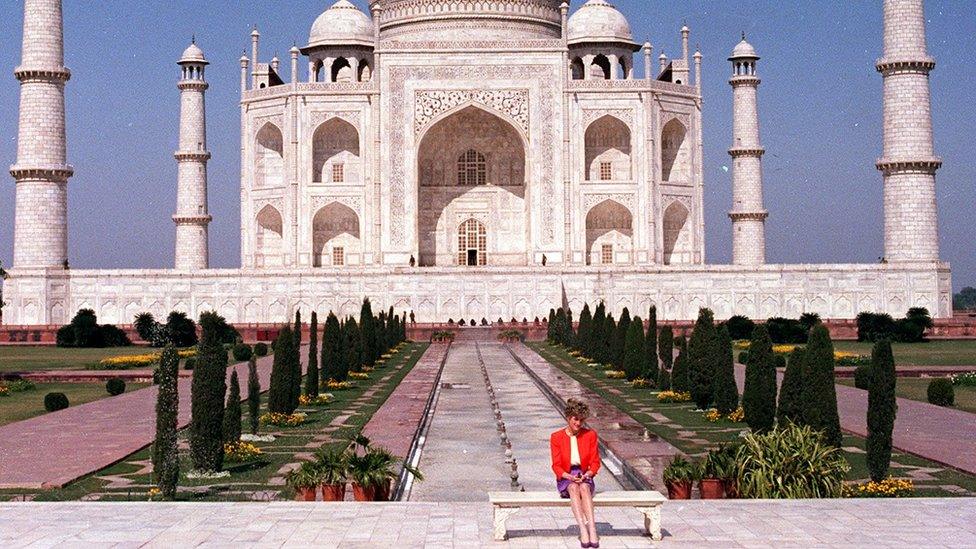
[(786, 330), (253, 396), (85, 332), (115, 386), (724, 389), (651, 368), (740, 327), (145, 325), (819, 393), (182, 330), (312, 374), (242, 352), (941, 393), (703, 358), (164, 454), (332, 363), (882, 407), (261, 349), (862, 377), (664, 380), (207, 392), (679, 374), (790, 406), (875, 326), (759, 394), (665, 348), (232, 411), (189, 363), (965, 380), (619, 343), (780, 361), (790, 462), (744, 357), (281, 371), (633, 353), (55, 401)]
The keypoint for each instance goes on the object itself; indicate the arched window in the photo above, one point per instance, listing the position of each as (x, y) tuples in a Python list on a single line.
[(335, 236), (609, 232), (675, 153), (269, 160), (268, 242), (600, 69), (335, 153), (677, 235), (472, 243), (341, 70), (577, 69), (471, 168), (365, 73), (607, 142)]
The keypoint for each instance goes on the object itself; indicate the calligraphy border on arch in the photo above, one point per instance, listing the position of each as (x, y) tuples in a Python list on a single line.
[(430, 103)]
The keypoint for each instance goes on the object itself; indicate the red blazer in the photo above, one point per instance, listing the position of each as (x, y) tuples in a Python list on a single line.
[(560, 448)]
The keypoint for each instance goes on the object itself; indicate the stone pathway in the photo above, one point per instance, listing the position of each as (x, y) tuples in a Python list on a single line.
[(54, 449), (718, 524), (940, 434)]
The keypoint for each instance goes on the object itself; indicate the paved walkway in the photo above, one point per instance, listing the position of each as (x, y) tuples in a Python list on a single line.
[(719, 524), (51, 450), (943, 435)]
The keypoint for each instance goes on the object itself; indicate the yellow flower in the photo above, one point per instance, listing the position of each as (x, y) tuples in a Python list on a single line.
[(673, 396), (713, 415), (4, 390), (641, 383), (741, 344), (358, 375), (738, 416), (784, 349), (283, 420), (616, 374)]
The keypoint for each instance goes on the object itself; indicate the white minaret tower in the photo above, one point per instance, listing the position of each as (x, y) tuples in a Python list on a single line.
[(191, 217), (42, 171), (748, 214), (911, 230)]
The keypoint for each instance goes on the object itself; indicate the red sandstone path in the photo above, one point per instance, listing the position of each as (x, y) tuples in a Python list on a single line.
[(54, 449), (943, 435)]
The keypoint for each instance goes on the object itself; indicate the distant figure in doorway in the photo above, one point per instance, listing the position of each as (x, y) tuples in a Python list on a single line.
[(413, 261), (575, 461)]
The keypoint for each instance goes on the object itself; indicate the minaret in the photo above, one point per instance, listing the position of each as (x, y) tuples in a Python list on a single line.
[(909, 163), (748, 214), (42, 171), (191, 216)]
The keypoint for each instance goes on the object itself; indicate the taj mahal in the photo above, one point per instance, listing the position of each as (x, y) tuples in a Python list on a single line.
[(473, 159)]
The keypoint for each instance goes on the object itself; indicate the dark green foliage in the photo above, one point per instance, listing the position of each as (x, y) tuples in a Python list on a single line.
[(809, 320), (189, 363), (279, 392), (759, 395), (740, 327), (115, 386), (232, 411), (606, 346), (790, 407), (620, 340), (786, 330), (665, 348), (862, 376), (181, 330), (207, 398), (85, 332), (633, 362), (664, 380), (743, 357), (312, 375), (165, 457), (780, 361), (367, 336), (595, 338), (875, 326), (882, 408), (725, 391), (940, 392), (113, 336), (242, 352), (583, 329), (550, 333), (295, 360), (333, 357), (569, 336), (253, 396), (145, 325), (261, 349), (819, 394), (650, 372), (55, 401), (679, 374), (965, 299), (352, 345), (296, 331), (226, 334), (703, 358)]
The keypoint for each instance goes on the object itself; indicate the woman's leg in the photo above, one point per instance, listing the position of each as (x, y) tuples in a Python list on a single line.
[(586, 499), (575, 500)]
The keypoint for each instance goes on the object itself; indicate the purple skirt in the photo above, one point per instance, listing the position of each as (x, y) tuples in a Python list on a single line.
[(562, 485)]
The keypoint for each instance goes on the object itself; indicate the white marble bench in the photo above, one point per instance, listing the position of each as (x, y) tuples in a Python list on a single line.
[(506, 504)]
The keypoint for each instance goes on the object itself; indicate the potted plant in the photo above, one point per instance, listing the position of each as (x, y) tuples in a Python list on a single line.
[(727, 456), (679, 476), (333, 470), (304, 480), (710, 480)]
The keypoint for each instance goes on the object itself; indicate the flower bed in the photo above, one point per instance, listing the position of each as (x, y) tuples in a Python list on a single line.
[(358, 375), (239, 452), (738, 416), (615, 374), (641, 383), (321, 399), (887, 488), (337, 385), (670, 397), (965, 380), (19, 386), (283, 420), (125, 362)]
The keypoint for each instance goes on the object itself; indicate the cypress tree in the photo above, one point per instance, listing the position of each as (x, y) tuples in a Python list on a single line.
[(297, 330), (633, 362), (620, 339), (295, 359), (569, 336), (606, 346), (165, 455), (207, 398), (583, 331), (759, 396), (380, 335), (702, 357), (232, 412), (790, 408), (595, 338), (650, 347), (253, 395), (393, 331), (550, 333), (312, 375), (679, 374), (332, 354), (353, 347), (882, 408), (279, 393), (819, 393), (726, 392), (665, 348), (367, 335)]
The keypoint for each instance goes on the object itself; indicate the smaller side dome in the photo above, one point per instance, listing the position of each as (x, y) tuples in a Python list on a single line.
[(744, 50), (598, 21), (342, 24), (193, 54)]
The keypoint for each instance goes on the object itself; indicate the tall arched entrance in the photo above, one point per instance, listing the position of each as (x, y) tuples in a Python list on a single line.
[(471, 166)]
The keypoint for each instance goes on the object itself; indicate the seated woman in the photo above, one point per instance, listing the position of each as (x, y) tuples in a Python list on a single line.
[(575, 461)]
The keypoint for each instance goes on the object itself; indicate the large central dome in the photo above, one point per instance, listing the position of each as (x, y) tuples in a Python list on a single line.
[(434, 20)]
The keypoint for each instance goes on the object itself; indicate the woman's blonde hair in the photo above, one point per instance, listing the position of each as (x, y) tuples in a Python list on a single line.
[(577, 408)]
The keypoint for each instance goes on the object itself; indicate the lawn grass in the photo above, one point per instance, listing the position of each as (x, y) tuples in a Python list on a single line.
[(27, 404), (916, 388), (951, 352), (693, 435), (17, 358)]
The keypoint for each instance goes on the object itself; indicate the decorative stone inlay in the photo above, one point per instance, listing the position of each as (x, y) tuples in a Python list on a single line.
[(624, 115), (625, 199), (320, 117), (632, 86), (276, 203), (469, 45), (354, 202), (430, 103), (668, 199)]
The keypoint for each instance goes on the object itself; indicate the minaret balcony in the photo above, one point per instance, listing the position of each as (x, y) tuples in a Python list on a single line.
[(38, 172), (918, 65), (927, 166), (30, 74)]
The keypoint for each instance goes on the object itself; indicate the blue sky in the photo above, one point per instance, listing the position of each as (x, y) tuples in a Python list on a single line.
[(820, 105)]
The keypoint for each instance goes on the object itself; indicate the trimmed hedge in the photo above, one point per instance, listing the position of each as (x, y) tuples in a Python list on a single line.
[(115, 386), (261, 349), (55, 401), (862, 377), (242, 352), (941, 393)]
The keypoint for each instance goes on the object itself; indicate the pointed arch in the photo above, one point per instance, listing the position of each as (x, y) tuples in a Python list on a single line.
[(341, 71), (577, 69), (675, 152), (269, 160), (365, 72), (609, 233), (472, 243), (601, 69), (336, 153), (608, 150), (335, 236), (268, 242), (677, 235)]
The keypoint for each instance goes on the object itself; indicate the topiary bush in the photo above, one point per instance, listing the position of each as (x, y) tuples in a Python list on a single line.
[(740, 327), (744, 357), (261, 349), (59, 401), (941, 392), (242, 352), (862, 377), (115, 386), (189, 363)]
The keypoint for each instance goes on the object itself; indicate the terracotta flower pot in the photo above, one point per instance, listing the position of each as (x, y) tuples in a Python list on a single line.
[(333, 492), (679, 490), (383, 491), (306, 494), (711, 488), (363, 493)]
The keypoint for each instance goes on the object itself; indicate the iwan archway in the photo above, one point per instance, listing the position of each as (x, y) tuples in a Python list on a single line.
[(471, 164)]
